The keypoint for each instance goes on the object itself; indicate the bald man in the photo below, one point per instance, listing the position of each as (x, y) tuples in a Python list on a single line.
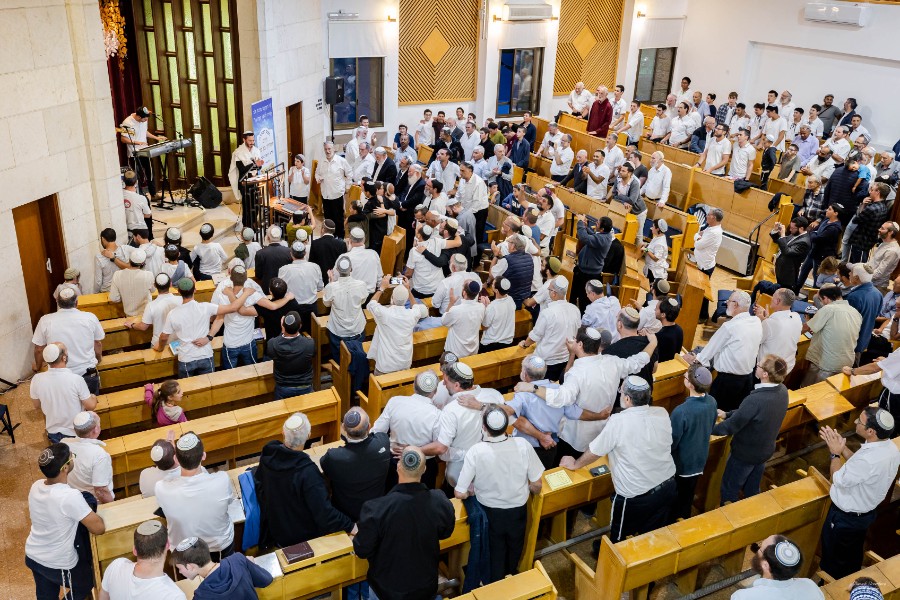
[(400, 533)]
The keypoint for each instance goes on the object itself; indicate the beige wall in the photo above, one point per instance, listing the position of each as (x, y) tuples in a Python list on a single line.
[(56, 137)]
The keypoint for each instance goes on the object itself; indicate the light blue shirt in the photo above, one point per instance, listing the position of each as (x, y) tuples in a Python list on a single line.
[(769, 589), (543, 417)]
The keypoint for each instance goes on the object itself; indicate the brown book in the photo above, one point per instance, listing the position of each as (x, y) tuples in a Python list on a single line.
[(297, 552)]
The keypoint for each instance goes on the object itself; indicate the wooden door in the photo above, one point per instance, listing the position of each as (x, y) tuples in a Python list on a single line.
[(294, 114), (42, 253)]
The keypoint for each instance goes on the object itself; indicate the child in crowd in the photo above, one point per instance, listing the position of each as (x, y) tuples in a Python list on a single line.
[(208, 256), (234, 578), (827, 272), (174, 267), (164, 403), (247, 249)]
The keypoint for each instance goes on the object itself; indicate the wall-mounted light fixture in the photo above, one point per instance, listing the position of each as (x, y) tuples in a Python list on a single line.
[(342, 16)]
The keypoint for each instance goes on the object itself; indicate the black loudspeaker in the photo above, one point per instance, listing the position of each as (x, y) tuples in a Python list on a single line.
[(204, 192), (334, 90)]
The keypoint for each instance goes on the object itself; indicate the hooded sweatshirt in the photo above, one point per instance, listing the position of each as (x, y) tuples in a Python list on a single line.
[(234, 579), (293, 500)]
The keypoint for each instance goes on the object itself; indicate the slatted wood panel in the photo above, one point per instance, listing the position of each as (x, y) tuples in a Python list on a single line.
[(587, 46), (438, 50)]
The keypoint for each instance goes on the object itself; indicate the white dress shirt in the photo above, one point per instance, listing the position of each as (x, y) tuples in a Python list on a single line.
[(545, 143), (303, 279), (840, 148), (460, 428), (473, 194), (660, 126), (581, 102), (351, 152), (635, 127), (392, 342), (468, 143), (364, 168), (447, 175), (864, 480), (562, 162), (816, 127), (858, 132), (246, 156), (455, 282), (658, 184), (620, 107), (198, 506), (637, 442), (598, 190), (333, 176), (426, 277), (737, 123), (592, 384), (614, 158), (780, 334), (77, 329), (345, 297), (366, 266), (463, 323), (602, 314), (92, 466), (822, 170), (411, 420), (499, 321), (556, 323), (660, 248), (734, 347), (500, 469), (774, 127), (706, 245), (682, 128), (890, 372), (437, 204), (771, 589)]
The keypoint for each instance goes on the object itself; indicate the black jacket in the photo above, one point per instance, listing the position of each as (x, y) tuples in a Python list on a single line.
[(454, 149), (794, 249), (268, 261), (442, 260), (840, 189), (293, 500), (357, 472), (755, 424), (388, 171), (824, 239), (324, 251), (577, 177), (400, 536), (401, 183)]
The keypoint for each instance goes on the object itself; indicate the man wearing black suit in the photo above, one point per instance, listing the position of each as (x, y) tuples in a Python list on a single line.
[(324, 251), (271, 258), (793, 248), (453, 147), (385, 169), (402, 182), (577, 175), (413, 196)]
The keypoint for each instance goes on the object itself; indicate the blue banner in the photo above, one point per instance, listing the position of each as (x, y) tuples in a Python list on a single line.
[(264, 131)]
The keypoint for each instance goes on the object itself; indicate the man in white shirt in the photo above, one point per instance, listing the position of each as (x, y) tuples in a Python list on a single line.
[(460, 427), (392, 343), (551, 140), (733, 350), (660, 126), (137, 207), (603, 311), (659, 180), (333, 173), (856, 129), (503, 471), (345, 296), (739, 120), (351, 150), (134, 135), (716, 153), (189, 325), (157, 310), (838, 144), (147, 577), (598, 176), (365, 165), (239, 347), (638, 445), (78, 331), (499, 318), (615, 158), (777, 559), (474, 197), (304, 281), (562, 158), (684, 93), (425, 130), (781, 328), (619, 107), (634, 126), (816, 127), (366, 263), (776, 126), (425, 278), (59, 394), (821, 164), (244, 158), (556, 324), (479, 164), (92, 469), (463, 321), (682, 127), (469, 140), (742, 156), (452, 285), (858, 486), (445, 171), (413, 421), (580, 100), (132, 285), (196, 503)]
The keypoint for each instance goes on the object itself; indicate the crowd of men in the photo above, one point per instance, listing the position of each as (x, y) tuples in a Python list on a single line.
[(585, 389)]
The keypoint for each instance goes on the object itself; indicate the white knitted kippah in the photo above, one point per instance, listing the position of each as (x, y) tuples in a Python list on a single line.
[(187, 441)]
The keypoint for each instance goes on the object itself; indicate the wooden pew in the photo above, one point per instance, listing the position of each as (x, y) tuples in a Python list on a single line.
[(859, 390), (393, 249), (763, 271), (682, 175), (572, 122), (797, 510), (693, 286), (675, 155), (204, 395), (228, 435), (119, 337), (424, 153), (539, 164), (105, 309), (885, 572), (680, 220)]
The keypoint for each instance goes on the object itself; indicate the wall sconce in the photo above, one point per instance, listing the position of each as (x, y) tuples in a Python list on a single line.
[(641, 14), (391, 18)]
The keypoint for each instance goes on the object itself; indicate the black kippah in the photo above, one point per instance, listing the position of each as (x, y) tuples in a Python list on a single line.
[(352, 419)]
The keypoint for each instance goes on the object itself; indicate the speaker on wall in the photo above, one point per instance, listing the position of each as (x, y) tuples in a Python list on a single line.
[(334, 90), (204, 192)]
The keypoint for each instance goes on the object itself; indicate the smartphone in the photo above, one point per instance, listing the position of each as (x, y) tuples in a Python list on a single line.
[(396, 281), (598, 471), (808, 335)]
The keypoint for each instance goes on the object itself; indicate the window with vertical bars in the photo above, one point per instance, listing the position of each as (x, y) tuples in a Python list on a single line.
[(188, 58)]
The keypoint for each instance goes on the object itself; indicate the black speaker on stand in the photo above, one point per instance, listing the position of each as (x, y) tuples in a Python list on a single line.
[(334, 94), (205, 193)]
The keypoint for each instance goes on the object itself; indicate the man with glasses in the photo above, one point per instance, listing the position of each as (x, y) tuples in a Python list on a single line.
[(716, 153), (858, 487)]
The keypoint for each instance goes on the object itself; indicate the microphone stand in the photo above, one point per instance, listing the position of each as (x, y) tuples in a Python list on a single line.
[(754, 244)]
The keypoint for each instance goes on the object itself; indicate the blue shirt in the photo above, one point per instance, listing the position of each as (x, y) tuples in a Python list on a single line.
[(412, 141), (867, 300), (543, 417), (692, 424)]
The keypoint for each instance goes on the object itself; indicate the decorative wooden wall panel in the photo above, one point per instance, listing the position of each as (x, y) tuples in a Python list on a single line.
[(588, 44), (438, 50)]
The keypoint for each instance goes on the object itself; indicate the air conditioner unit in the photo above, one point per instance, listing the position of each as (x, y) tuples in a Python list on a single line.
[(527, 12), (840, 14)]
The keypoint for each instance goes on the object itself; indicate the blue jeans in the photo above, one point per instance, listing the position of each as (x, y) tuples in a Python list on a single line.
[(740, 476), (283, 391), (239, 356), (335, 343), (195, 367), (358, 591)]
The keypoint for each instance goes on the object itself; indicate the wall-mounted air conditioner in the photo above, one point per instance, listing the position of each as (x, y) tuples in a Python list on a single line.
[(839, 13), (527, 12)]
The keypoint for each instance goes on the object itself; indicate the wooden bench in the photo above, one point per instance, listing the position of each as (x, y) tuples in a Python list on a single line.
[(885, 572), (797, 510), (229, 435)]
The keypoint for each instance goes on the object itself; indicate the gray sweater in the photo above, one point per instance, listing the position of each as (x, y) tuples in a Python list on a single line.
[(755, 424)]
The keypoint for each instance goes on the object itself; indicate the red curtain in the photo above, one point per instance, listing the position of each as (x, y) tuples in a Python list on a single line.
[(125, 85)]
